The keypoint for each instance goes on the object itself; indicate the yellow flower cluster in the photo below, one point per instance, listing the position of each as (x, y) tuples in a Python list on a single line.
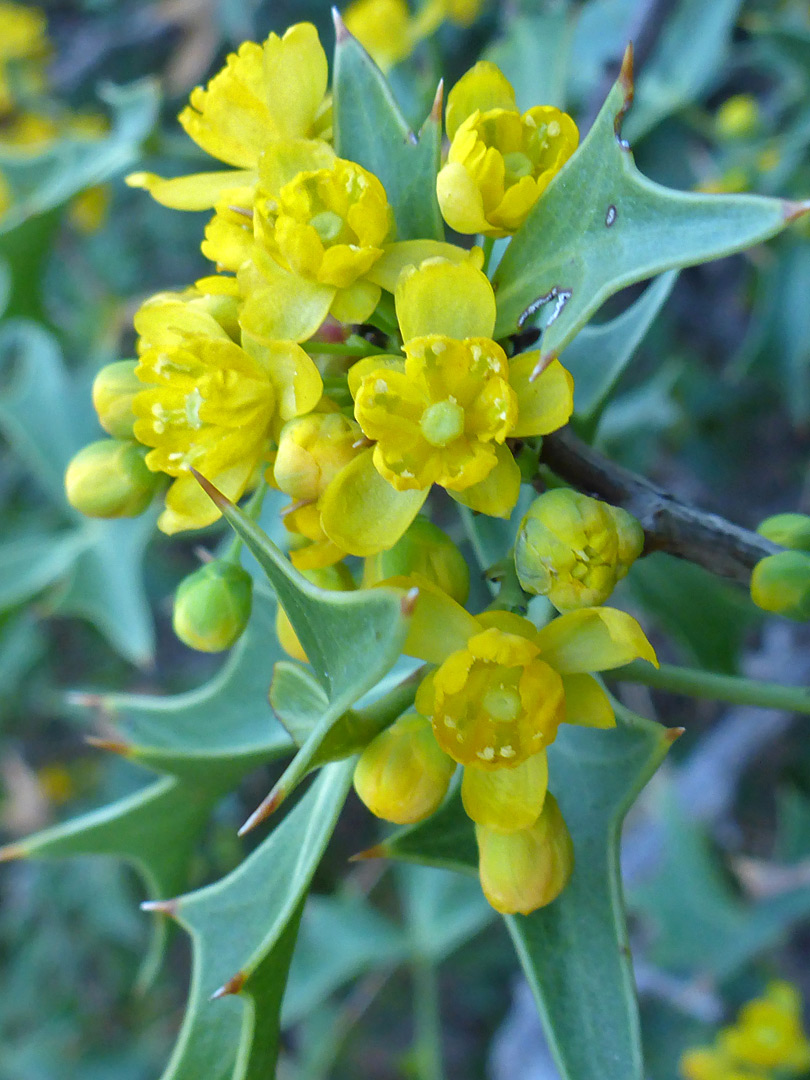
[(355, 373), (765, 1042), (390, 32)]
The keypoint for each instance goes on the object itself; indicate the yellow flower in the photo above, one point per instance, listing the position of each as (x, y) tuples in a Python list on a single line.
[(211, 404), (312, 451), (737, 117), (383, 27), (265, 93), (768, 1032), (500, 162), (705, 1063), (443, 414), (574, 549), (524, 870), (88, 211), (24, 32)]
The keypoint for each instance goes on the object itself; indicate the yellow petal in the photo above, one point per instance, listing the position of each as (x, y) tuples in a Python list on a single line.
[(362, 513), (369, 364), (545, 404), (356, 303), (586, 703), (508, 622), (593, 639), (439, 625), (295, 378), (284, 159), (198, 191), (280, 306), (411, 253), (497, 494), (506, 799), (167, 322), (461, 200), (455, 300), (483, 87), (295, 73)]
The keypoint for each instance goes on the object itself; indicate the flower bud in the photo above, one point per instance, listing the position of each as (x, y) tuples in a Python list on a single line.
[(426, 550), (525, 870), (574, 549), (781, 583), (789, 530), (212, 606), (403, 775), (737, 117), (113, 390), (109, 479), (336, 578), (312, 450)]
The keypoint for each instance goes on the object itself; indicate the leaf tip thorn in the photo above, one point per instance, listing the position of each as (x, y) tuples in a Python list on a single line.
[(674, 733), (540, 366), (264, 810), (113, 746), (341, 30), (379, 851), (408, 603), (12, 852), (212, 492), (232, 986), (162, 907), (795, 209), (438, 101)]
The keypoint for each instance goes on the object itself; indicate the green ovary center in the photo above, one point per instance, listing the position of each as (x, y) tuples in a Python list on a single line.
[(517, 165), (442, 423), (502, 703), (328, 225)]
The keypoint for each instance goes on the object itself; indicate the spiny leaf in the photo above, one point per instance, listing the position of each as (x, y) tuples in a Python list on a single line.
[(241, 929), (334, 628), (371, 130), (601, 226), (574, 952)]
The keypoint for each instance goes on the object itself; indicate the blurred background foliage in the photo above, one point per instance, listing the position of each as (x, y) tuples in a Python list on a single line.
[(714, 403)]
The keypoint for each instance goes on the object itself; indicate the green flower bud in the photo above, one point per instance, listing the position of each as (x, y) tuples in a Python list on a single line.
[(403, 774), (336, 578), (781, 583), (737, 117), (212, 606), (109, 479), (524, 870), (113, 390), (789, 530), (426, 550), (574, 549)]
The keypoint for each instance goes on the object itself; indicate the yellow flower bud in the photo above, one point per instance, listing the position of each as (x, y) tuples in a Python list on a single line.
[(789, 530), (737, 117), (402, 774), (574, 549), (113, 390), (781, 583), (336, 578), (425, 550), (311, 452), (494, 703), (109, 479), (212, 606), (527, 869)]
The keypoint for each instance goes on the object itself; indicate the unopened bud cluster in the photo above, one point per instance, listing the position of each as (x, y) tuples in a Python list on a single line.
[(780, 583)]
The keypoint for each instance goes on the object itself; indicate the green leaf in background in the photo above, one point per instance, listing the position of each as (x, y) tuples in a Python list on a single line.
[(206, 739), (574, 952), (242, 931), (99, 562), (688, 56), (24, 254), (601, 226), (534, 52), (697, 920), (69, 165), (600, 353), (371, 130), (708, 617), (351, 638)]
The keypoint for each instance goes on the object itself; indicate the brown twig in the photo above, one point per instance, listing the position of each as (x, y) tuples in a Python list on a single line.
[(669, 525)]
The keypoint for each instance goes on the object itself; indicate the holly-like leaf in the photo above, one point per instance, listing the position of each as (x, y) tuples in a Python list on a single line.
[(574, 952), (371, 130), (242, 931), (334, 628), (600, 353), (601, 226)]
